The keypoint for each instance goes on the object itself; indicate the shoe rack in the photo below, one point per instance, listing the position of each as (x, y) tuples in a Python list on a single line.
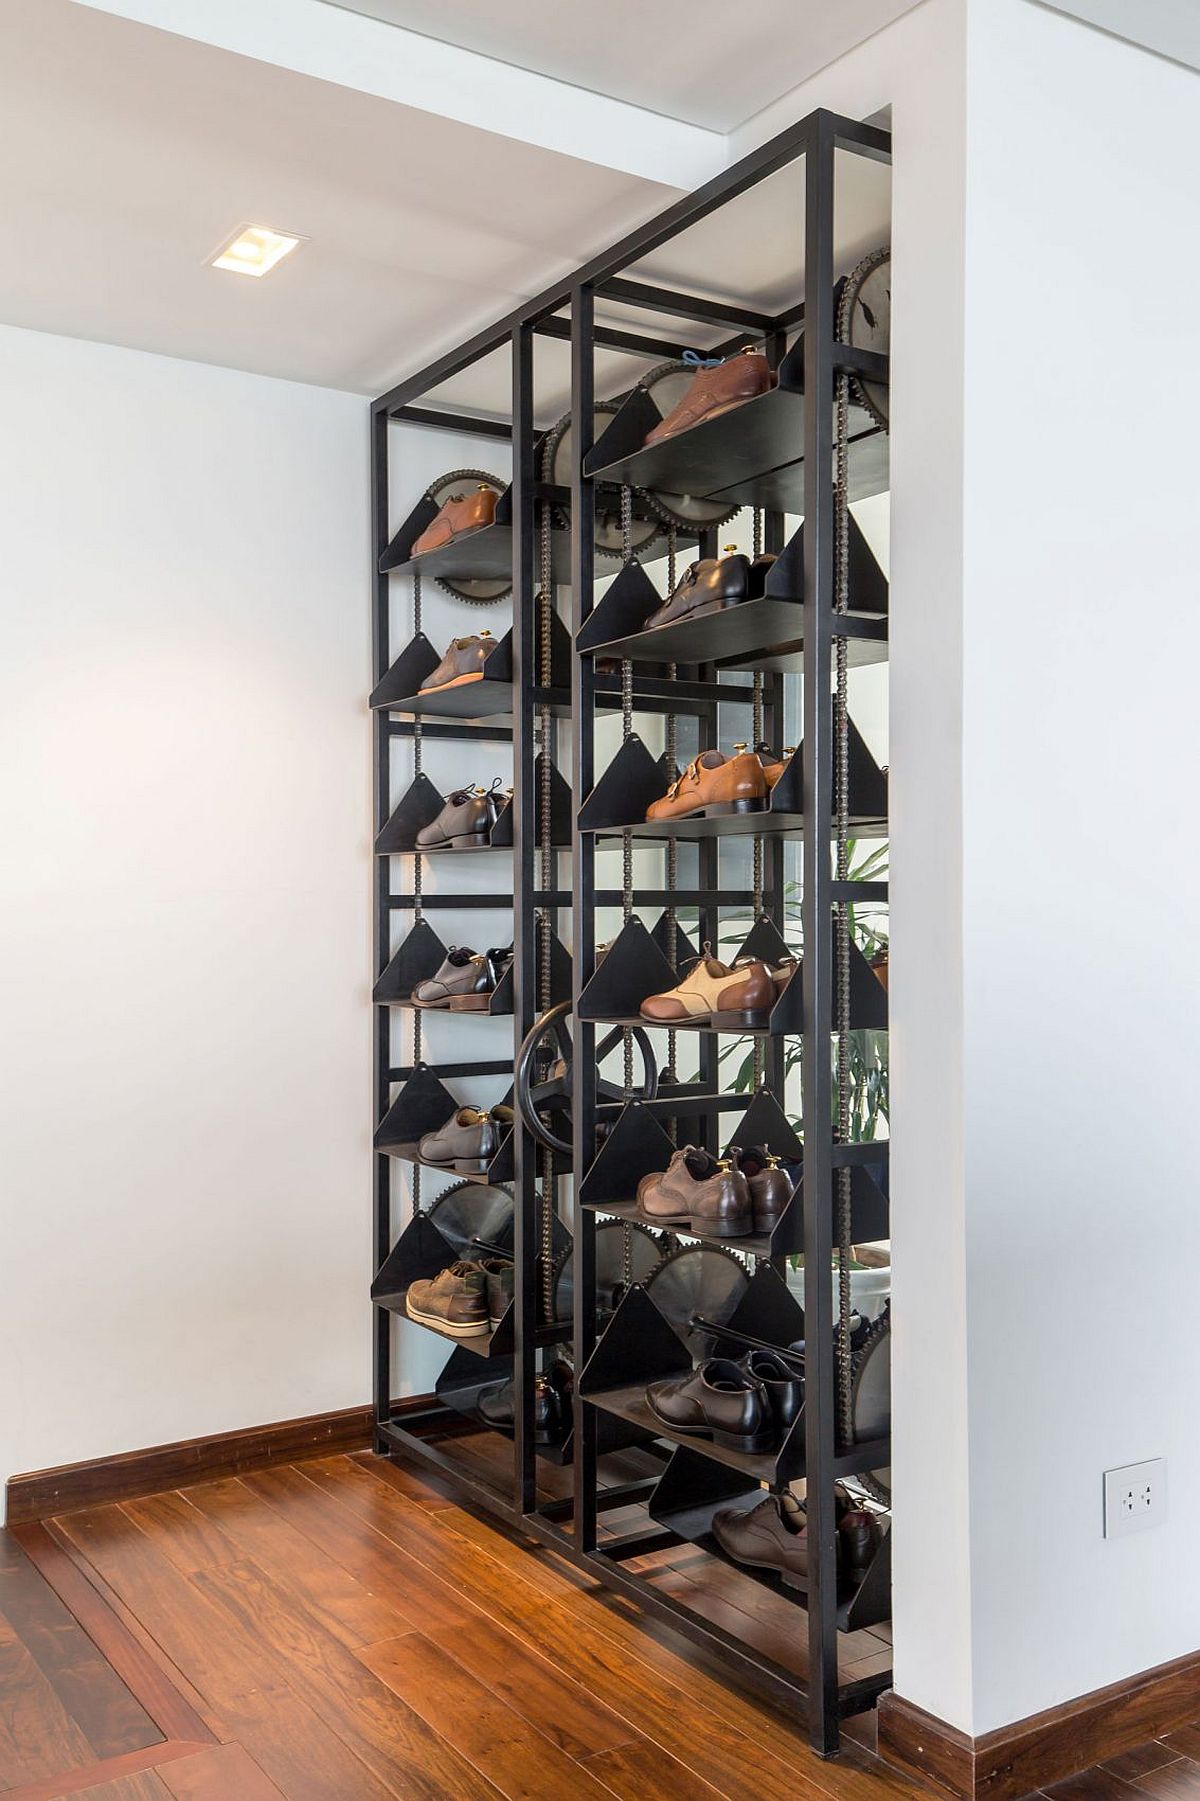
[(727, 676)]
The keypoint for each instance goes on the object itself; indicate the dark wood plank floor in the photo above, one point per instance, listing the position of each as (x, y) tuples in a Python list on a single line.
[(343, 1630)]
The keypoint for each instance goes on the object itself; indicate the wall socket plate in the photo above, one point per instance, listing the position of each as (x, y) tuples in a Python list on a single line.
[(1135, 1497)]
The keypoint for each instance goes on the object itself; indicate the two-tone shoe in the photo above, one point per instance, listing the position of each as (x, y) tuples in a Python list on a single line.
[(464, 662), (715, 391), (453, 1301), (465, 820), (699, 1192), (467, 1142), (714, 786), (711, 994), (460, 514), (711, 585), (721, 1401)]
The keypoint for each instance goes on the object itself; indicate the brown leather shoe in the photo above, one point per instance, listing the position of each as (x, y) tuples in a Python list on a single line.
[(711, 585), (697, 1189), (879, 963), (859, 1537), (462, 663), (454, 1301), (771, 1536), (770, 1185), (738, 999), (714, 786), (461, 513), (714, 391)]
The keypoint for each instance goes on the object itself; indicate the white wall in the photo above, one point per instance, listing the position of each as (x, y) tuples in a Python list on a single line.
[(184, 845), (1081, 653)]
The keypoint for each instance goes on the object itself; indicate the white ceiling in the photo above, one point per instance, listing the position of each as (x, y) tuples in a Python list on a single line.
[(699, 60), (129, 153)]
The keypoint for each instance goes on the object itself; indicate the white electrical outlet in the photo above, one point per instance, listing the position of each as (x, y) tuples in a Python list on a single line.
[(1135, 1497)]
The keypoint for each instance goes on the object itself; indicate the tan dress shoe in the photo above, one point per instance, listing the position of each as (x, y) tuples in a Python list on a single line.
[(714, 786), (461, 513), (738, 999), (715, 391), (773, 766)]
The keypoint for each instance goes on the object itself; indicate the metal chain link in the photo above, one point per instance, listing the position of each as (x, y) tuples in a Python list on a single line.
[(672, 843), (841, 515), (546, 865), (418, 867)]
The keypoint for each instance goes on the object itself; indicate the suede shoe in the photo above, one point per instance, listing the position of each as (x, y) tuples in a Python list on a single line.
[(463, 662), (453, 1301), (721, 1401)]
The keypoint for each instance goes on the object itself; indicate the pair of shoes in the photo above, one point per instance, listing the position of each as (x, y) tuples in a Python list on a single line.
[(718, 1197), (465, 1299), (712, 584), (774, 1536), (714, 786), (462, 663), (553, 1393), (469, 1139), (461, 513), (466, 819), (466, 981), (714, 391), (711, 993), (745, 1405)]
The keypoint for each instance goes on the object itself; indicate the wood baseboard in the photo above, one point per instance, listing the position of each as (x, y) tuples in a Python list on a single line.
[(43, 1493), (1031, 1754)]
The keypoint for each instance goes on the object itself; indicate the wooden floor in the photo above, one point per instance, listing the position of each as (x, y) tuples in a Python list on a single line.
[(342, 1630)]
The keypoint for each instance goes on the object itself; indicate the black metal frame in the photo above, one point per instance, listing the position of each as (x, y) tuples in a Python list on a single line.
[(815, 139)]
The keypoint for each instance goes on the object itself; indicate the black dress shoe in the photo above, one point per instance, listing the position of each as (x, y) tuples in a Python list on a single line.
[(783, 1382), (467, 817), (464, 984), (468, 1141), (710, 586), (721, 1401), (496, 1406)]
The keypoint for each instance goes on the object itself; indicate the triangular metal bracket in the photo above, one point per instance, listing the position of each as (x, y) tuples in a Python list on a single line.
[(764, 1123), (418, 1253), (638, 1345), (632, 780), (635, 1147), (422, 1105), (418, 806), (419, 957), (416, 661), (622, 609), (632, 968)]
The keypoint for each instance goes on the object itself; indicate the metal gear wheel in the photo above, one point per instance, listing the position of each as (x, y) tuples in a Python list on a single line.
[(865, 320), (624, 1254), (473, 1212), (871, 1401), (556, 468), (699, 1279), (666, 384)]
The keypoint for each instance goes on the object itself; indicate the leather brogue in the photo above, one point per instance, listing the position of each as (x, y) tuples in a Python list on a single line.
[(454, 1301), (467, 817), (711, 1197), (714, 391), (461, 513), (718, 1401), (771, 1536), (737, 999), (468, 1141), (464, 984), (784, 1383), (714, 786), (771, 1188), (711, 585), (463, 662)]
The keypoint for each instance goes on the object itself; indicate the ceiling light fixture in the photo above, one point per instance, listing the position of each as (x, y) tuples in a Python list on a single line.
[(254, 250)]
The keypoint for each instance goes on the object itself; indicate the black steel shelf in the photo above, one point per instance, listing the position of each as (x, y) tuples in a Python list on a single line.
[(746, 456)]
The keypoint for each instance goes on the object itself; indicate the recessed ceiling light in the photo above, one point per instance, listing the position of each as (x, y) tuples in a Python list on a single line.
[(254, 249)]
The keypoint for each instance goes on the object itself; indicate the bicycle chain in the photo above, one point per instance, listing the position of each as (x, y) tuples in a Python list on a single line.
[(626, 847), (546, 867), (672, 843), (418, 863), (841, 505)]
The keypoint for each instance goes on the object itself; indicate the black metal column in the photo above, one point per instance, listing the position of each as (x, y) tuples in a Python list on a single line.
[(381, 1374), (817, 1016)]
